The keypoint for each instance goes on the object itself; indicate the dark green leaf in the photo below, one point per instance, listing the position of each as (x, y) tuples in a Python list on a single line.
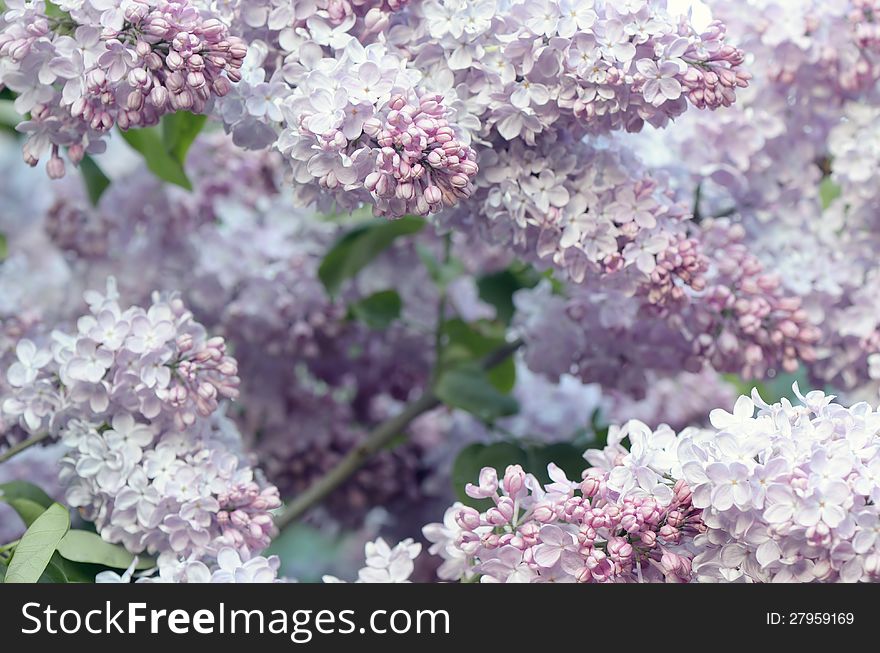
[(26, 509), (37, 545), (358, 247), (473, 458), (468, 343), (497, 288), (24, 490), (179, 131), (2, 570), (83, 546), (379, 310), (149, 142), (77, 572), (9, 117), (470, 389), (4, 247), (566, 456), (600, 430), (95, 179), (26, 499), (53, 572)]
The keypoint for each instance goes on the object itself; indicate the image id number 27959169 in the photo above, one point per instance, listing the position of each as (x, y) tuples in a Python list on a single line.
[(810, 618)]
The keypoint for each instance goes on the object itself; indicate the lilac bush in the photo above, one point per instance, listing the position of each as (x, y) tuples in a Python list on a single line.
[(378, 277)]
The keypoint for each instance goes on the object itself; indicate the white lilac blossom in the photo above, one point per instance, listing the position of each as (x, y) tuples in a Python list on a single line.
[(134, 394), (789, 494), (79, 68), (385, 564), (229, 566), (626, 520)]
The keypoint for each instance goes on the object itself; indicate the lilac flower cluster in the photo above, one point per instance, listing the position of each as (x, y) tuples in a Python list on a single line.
[(465, 75), (791, 163), (230, 567), (364, 125), (600, 66), (385, 564), (610, 527), (739, 321), (134, 396), (79, 68), (588, 212), (789, 494)]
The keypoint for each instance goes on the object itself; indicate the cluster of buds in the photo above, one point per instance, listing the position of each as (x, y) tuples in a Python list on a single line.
[(180, 61), (95, 73), (747, 322), (203, 375), (244, 518), (420, 164), (714, 72), (592, 531)]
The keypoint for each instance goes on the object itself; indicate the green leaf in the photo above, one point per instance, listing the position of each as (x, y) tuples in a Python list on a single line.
[(378, 310), (361, 245), (4, 247), (600, 428), (467, 343), (772, 389), (24, 490), (497, 288), (28, 510), (54, 11), (37, 545), (534, 458), (76, 572), (441, 273), (9, 117), (470, 389), (2, 571), (828, 192), (53, 572), (26, 499), (179, 131), (149, 142), (566, 456), (473, 458), (83, 546), (95, 179)]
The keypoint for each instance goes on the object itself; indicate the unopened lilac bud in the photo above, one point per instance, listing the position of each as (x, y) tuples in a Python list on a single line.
[(55, 167)]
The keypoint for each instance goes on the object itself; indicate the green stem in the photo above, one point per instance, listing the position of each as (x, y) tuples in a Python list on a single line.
[(8, 546), (21, 446), (375, 442), (355, 458)]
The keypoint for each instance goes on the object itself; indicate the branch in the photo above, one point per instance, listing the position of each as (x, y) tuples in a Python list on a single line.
[(21, 446), (376, 441)]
